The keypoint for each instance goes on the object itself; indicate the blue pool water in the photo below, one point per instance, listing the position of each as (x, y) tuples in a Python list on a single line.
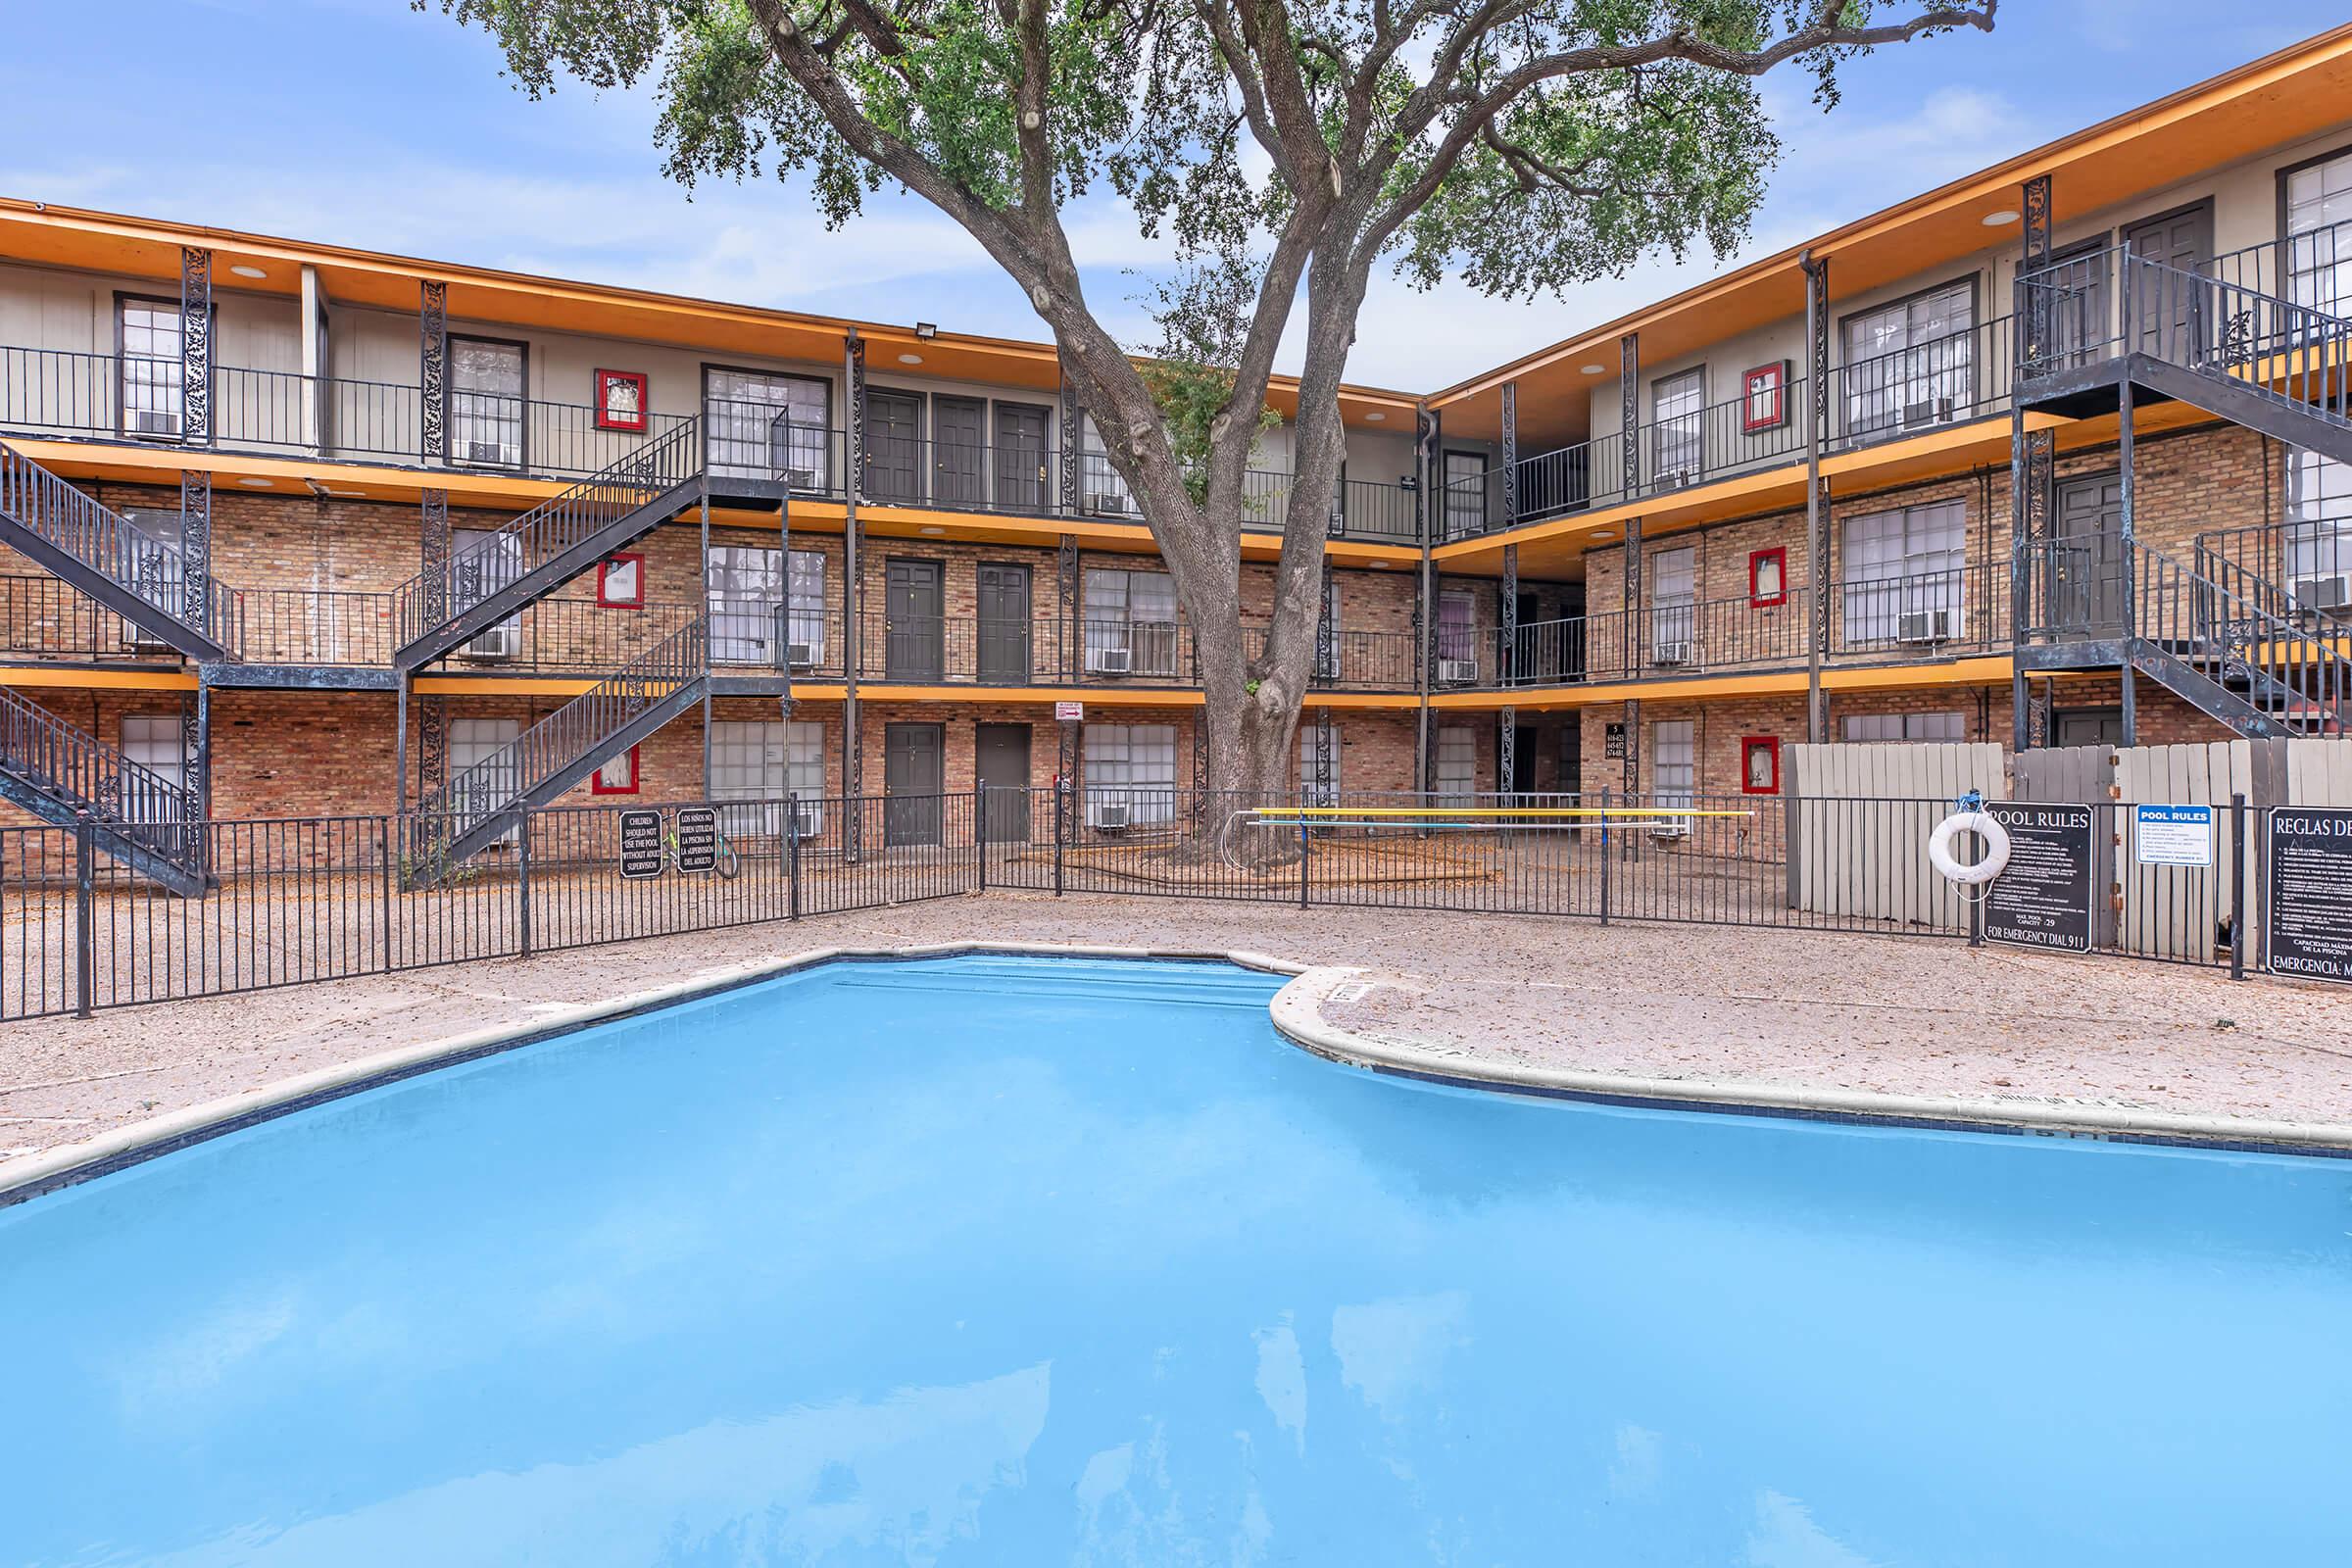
[(1017, 1261)]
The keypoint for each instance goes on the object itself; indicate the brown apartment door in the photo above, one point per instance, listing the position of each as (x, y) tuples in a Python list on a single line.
[(1003, 774), (958, 451), (2086, 561), (1003, 605), (914, 772), (1021, 478), (914, 624), (2180, 243), (894, 444)]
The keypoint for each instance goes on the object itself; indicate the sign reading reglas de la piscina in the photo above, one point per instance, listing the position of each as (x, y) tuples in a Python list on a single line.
[(2042, 896), (2310, 890), (2171, 835)]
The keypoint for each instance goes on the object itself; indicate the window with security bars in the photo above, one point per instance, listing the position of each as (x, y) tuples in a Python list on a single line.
[(484, 773), (1318, 764), (1678, 414), (746, 587), (149, 370), (486, 402), (152, 741), (1130, 774), (1911, 364), (2319, 235), (1902, 574), (1873, 727), (2318, 550), (1457, 780), (1673, 606), (482, 562), (1130, 622), (765, 425), (765, 760), (1674, 761)]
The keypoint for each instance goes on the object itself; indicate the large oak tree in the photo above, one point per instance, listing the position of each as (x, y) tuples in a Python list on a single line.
[(1277, 146)]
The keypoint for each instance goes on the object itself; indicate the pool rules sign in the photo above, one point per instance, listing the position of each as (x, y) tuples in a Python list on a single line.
[(2309, 902), (2042, 898)]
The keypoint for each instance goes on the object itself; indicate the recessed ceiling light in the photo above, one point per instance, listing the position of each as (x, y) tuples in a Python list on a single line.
[(1380, 566), (350, 495), (243, 270), (911, 359), (259, 484), (1998, 219), (1375, 416), (931, 530), (1591, 370), (1602, 533)]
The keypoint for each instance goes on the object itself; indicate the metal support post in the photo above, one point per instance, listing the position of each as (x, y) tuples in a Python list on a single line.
[(85, 950)]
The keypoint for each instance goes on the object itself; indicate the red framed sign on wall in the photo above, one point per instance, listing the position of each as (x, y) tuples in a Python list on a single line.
[(620, 581), (1764, 393), (618, 776), (621, 401), (1768, 576), (1760, 765)]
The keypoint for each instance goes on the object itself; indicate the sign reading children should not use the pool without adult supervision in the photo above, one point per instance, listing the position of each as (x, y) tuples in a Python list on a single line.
[(2309, 902), (640, 844), (2042, 896), (2172, 834)]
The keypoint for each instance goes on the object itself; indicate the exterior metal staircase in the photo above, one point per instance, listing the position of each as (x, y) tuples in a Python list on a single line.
[(2234, 350), (139, 818), (483, 804), (144, 579), (545, 548)]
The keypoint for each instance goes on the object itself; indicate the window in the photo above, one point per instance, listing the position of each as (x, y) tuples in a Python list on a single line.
[(747, 584), (2319, 531), (152, 742), (765, 425), (1902, 573), (1457, 634), (1911, 364), (1760, 765), (1866, 727), (1466, 494), (1130, 623), (2319, 235), (805, 588), (621, 582), (763, 760), (1768, 577), (1674, 757), (1130, 774), (1678, 406), (1458, 762), (1100, 487), (483, 561), (158, 569), (618, 776), (1672, 605), (484, 773), (486, 381), (1318, 767), (148, 390)]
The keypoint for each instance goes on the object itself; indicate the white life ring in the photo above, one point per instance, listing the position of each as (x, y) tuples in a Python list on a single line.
[(1980, 823)]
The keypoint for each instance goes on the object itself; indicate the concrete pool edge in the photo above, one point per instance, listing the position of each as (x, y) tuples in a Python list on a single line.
[(1297, 1017), (31, 1175)]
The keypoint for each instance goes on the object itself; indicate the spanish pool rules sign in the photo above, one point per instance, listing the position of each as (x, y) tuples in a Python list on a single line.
[(2042, 896), (2311, 893)]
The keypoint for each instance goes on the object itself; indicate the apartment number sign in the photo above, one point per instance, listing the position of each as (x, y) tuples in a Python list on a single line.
[(621, 401), (1765, 390), (1612, 741)]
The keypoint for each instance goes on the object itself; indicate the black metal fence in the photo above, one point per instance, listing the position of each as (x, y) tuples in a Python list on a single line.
[(303, 899)]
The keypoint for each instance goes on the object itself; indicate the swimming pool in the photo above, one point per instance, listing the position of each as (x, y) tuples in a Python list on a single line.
[(1023, 1260)]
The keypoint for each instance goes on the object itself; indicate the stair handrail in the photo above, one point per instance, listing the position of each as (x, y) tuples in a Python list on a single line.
[(2175, 607), (490, 787), (78, 525), (2228, 335), (439, 594), (80, 771)]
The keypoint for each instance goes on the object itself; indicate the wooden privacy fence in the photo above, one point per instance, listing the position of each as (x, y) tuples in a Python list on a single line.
[(1859, 817)]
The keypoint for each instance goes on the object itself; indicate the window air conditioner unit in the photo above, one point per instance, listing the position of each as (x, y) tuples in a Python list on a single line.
[(799, 478), (1457, 671), (1924, 626), (2323, 593), (1931, 411), (494, 646), (1675, 479), (155, 422), (807, 820), (1670, 652), (1108, 500), (139, 640), (1110, 818), (1111, 661), (801, 655), (1670, 827), (496, 453)]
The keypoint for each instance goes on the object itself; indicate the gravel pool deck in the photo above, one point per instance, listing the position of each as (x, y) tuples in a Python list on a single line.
[(1907, 1017)]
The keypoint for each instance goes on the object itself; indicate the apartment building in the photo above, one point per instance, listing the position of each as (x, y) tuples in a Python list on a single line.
[(2050, 455)]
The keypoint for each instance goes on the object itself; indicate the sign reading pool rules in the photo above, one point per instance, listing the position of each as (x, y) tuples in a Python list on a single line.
[(641, 844), (2309, 911), (2171, 835), (2042, 896)]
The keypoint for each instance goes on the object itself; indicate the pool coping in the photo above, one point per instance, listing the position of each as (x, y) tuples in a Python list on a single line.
[(1295, 1012)]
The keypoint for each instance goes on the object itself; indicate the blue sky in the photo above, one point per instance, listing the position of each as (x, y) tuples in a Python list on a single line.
[(364, 122)]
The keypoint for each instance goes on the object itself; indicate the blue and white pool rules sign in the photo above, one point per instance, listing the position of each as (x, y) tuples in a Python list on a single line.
[(2171, 835)]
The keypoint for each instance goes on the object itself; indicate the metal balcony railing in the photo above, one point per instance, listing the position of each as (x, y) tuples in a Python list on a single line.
[(80, 772)]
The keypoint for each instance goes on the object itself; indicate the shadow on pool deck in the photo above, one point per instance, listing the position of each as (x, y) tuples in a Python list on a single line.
[(1911, 1017)]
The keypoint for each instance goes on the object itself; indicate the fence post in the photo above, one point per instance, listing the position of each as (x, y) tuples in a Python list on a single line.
[(1303, 852), (1605, 856), (2240, 843), (391, 879), (86, 952), (980, 829), (523, 866), (1061, 829), (792, 857)]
